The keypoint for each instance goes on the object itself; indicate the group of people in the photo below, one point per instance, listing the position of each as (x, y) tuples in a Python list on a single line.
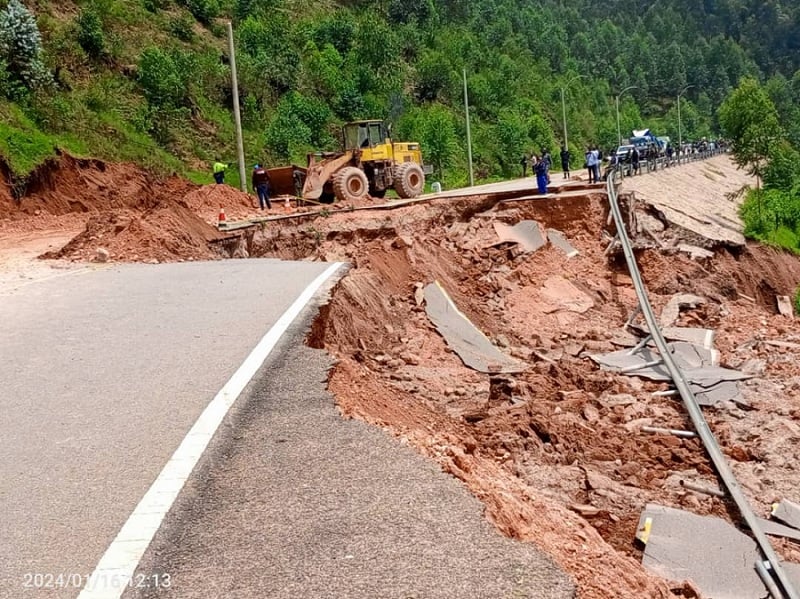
[(540, 165), (259, 179)]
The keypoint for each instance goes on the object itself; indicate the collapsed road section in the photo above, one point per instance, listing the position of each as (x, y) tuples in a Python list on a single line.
[(563, 454), (774, 577)]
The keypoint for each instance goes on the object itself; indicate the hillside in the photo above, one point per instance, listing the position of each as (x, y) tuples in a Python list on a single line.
[(148, 80)]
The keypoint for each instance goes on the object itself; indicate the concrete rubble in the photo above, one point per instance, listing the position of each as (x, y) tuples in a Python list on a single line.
[(708, 551), (787, 512), (466, 340), (559, 240), (526, 233)]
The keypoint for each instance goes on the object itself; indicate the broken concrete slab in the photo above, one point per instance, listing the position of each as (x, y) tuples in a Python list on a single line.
[(710, 552), (526, 233), (721, 392), (785, 307), (689, 355), (677, 302), (793, 573), (701, 337), (558, 293), (558, 239), (710, 384), (695, 252), (471, 345), (787, 512), (776, 529)]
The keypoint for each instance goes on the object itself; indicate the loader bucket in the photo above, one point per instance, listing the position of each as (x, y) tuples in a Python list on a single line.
[(286, 180)]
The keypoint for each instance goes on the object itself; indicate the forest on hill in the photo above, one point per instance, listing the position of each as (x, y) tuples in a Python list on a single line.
[(148, 80)]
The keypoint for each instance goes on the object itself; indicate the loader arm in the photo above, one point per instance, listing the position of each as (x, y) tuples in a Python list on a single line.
[(319, 172)]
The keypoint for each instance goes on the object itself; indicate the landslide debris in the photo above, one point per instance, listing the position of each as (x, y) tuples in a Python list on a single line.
[(124, 211), (556, 453)]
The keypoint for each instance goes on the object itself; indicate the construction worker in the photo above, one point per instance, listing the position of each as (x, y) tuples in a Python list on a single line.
[(260, 181), (219, 171)]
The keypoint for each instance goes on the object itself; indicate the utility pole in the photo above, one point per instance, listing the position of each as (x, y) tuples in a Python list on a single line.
[(237, 116), (469, 136), (564, 118), (619, 131), (680, 132)]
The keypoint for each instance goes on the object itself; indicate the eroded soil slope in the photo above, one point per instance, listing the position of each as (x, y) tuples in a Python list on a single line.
[(556, 453), (119, 208)]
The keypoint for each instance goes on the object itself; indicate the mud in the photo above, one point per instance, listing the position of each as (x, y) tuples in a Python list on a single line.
[(556, 453), (122, 210)]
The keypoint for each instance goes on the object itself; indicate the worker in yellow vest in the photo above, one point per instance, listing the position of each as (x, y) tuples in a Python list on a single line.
[(219, 171)]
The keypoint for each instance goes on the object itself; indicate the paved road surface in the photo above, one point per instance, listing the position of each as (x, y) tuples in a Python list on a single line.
[(298, 503), (105, 371), (103, 374)]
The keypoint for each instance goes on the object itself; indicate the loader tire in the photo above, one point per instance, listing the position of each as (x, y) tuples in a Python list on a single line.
[(409, 180), (350, 184)]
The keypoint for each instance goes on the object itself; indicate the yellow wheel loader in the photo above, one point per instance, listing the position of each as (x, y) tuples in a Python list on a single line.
[(370, 164)]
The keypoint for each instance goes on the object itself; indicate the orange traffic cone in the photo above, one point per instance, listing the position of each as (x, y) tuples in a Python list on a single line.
[(222, 221), (286, 205)]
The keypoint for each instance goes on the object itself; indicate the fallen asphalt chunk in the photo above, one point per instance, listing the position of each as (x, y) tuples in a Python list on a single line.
[(710, 384), (721, 392), (701, 337), (793, 572), (698, 336), (715, 556), (701, 375), (787, 512), (776, 529), (558, 239), (785, 307), (689, 355), (526, 233), (463, 337)]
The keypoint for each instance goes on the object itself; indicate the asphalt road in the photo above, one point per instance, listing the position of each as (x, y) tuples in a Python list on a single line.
[(294, 502), (103, 373)]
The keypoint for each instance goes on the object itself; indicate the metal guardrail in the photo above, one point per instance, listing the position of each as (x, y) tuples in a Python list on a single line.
[(695, 413), (624, 169)]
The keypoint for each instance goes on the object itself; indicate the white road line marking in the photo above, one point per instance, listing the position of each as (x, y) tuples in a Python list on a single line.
[(118, 564)]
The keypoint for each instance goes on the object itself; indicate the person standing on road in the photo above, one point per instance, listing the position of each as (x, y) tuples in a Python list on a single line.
[(565, 161), (635, 160), (548, 159), (524, 163), (541, 175), (260, 181), (592, 160), (219, 170)]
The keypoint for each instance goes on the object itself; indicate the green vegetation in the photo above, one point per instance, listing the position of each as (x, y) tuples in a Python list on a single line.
[(148, 80), (759, 142), (797, 301)]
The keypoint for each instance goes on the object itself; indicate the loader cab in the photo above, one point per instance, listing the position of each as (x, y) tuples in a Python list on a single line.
[(364, 134), (370, 139)]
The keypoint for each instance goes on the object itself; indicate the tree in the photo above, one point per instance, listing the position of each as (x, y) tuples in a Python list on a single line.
[(21, 46), (438, 136), (90, 33), (750, 121)]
